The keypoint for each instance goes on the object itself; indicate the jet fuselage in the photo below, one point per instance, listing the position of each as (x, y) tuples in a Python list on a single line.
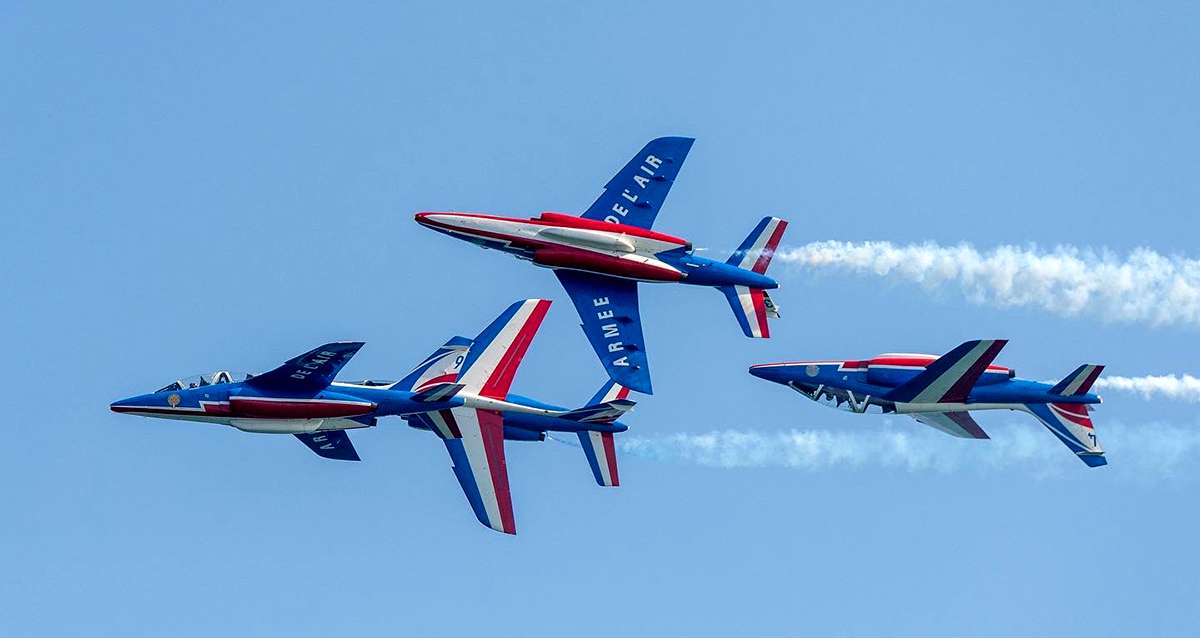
[(857, 385), (558, 241), (342, 406)]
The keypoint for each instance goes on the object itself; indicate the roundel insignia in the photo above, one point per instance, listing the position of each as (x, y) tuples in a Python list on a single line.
[(812, 370), (173, 400)]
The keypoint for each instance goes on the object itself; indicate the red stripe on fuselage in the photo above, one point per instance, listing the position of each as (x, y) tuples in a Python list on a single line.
[(580, 259), (298, 409)]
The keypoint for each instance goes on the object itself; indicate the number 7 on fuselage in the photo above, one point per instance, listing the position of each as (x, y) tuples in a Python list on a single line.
[(600, 256)]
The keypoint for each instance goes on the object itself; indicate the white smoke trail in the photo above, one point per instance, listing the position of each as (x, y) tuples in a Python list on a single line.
[(1167, 386), (1151, 451), (1143, 286)]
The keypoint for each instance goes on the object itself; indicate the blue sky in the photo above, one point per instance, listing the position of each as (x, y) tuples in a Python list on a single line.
[(188, 189)]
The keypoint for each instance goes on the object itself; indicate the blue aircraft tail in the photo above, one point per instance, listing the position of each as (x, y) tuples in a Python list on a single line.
[(600, 447), (439, 367), (753, 306)]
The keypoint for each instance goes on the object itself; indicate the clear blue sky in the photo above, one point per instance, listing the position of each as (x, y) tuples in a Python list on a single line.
[(187, 189)]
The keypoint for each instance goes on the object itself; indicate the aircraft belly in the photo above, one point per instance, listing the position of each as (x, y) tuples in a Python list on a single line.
[(917, 408), (277, 426)]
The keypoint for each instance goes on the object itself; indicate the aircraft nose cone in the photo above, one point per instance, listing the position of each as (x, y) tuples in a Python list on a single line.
[(123, 405), (433, 218), (768, 372)]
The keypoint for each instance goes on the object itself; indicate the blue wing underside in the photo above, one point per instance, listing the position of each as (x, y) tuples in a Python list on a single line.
[(635, 194), (608, 308)]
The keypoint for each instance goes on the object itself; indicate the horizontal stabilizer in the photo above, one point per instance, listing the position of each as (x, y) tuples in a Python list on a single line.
[(334, 444), (752, 307), (606, 412), (437, 393), (601, 452), (1079, 381)]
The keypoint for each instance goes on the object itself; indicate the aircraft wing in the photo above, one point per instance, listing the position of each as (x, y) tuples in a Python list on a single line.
[(308, 373), (634, 195), (475, 441), (608, 308), (958, 424), (334, 444), (950, 378), (494, 356)]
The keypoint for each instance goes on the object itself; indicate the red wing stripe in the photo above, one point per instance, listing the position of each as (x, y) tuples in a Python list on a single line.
[(491, 426), (502, 377)]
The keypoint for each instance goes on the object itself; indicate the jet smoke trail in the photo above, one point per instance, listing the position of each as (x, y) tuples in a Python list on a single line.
[(1167, 386), (1151, 451), (1144, 286)]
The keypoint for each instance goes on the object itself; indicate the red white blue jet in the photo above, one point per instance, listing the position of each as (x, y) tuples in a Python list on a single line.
[(602, 255), (943, 391), (460, 393)]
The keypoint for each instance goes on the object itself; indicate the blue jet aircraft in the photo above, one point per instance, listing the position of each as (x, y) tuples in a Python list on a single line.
[(941, 392), (460, 393), (601, 256)]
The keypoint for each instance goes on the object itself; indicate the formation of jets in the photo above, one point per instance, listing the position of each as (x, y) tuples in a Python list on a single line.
[(460, 393)]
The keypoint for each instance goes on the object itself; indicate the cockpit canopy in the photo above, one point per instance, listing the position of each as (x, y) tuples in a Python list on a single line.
[(202, 380)]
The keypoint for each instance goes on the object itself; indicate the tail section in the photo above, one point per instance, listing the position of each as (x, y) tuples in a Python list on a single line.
[(1079, 381), (492, 361), (440, 367), (756, 251), (600, 447), (752, 307), (1072, 424)]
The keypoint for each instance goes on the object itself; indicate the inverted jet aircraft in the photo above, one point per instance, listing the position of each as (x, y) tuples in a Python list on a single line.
[(602, 255), (941, 392), (460, 393)]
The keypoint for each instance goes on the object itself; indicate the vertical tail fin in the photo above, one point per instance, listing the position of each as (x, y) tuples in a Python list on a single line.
[(756, 251), (439, 367), (600, 447), (1079, 381)]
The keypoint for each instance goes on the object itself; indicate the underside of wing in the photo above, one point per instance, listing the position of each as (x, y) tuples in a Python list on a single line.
[(475, 441), (635, 194), (958, 424), (608, 308), (334, 444)]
